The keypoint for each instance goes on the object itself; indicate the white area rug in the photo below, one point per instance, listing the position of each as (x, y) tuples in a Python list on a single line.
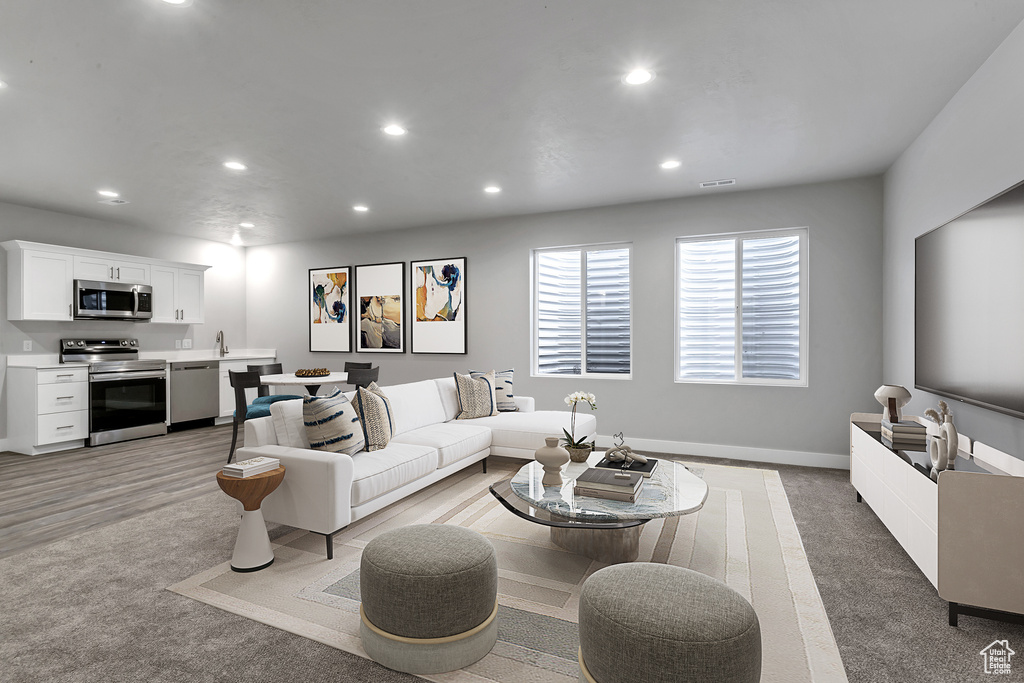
[(745, 535)]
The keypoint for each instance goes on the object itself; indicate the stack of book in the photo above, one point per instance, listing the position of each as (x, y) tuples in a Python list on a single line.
[(247, 468), (904, 434), (611, 484)]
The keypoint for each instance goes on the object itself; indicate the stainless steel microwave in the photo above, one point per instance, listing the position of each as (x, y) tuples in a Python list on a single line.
[(112, 300)]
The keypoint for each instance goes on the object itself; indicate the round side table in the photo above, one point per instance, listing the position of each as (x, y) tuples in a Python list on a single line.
[(252, 548)]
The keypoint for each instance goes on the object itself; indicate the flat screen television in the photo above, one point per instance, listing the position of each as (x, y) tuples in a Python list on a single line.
[(969, 306)]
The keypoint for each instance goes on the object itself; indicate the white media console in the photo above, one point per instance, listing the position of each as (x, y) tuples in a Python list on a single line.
[(959, 530)]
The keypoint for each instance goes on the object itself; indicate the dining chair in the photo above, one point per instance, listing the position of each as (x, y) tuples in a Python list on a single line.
[(263, 394), (351, 365), (361, 377), (240, 381)]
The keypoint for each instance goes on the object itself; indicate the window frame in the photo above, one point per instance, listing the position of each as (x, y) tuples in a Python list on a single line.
[(534, 311), (801, 232)]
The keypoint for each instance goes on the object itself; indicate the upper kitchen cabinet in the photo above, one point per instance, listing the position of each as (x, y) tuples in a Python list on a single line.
[(40, 281), (104, 268), (177, 295), (39, 284)]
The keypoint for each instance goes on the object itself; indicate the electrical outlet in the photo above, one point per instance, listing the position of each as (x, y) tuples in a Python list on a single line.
[(177, 343), (186, 343), (26, 345)]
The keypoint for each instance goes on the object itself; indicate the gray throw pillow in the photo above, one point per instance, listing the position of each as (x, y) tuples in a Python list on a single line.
[(332, 424), (374, 411)]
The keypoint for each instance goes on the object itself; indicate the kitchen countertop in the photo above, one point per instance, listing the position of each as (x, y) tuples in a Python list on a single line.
[(52, 360)]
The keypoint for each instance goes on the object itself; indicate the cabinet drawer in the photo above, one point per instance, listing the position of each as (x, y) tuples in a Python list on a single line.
[(57, 427), (62, 375), (62, 398)]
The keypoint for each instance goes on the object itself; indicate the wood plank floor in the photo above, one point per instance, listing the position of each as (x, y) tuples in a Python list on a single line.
[(44, 498)]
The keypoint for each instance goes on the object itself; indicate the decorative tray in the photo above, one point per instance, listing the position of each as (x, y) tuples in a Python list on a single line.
[(312, 372)]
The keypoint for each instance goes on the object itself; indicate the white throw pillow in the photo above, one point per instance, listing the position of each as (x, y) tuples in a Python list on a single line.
[(503, 394), (332, 424), (287, 417)]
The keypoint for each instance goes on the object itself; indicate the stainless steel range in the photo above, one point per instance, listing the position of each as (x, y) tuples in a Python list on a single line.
[(127, 396)]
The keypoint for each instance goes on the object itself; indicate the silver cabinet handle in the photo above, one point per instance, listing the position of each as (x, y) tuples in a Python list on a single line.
[(69, 310), (67, 427), (67, 375), (111, 272), (64, 398), (119, 272)]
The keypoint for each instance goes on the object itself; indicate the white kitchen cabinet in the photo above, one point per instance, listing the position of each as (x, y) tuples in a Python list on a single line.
[(51, 411), (107, 269), (178, 295), (39, 285)]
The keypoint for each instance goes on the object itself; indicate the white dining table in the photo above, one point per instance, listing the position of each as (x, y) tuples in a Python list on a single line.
[(290, 379)]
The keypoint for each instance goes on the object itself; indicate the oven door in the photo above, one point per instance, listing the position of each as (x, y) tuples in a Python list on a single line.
[(127, 405)]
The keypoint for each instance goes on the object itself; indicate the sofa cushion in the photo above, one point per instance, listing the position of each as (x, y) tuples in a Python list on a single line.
[(332, 424), (287, 416), (375, 416), (376, 473), (476, 396), (452, 441), (504, 396), (414, 405), (449, 393), (528, 430)]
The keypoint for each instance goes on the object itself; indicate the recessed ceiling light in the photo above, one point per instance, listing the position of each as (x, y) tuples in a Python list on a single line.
[(2, 85), (179, 3), (492, 189), (361, 208), (235, 165), (236, 240), (107, 193), (638, 77), (394, 129), (670, 164), (247, 225)]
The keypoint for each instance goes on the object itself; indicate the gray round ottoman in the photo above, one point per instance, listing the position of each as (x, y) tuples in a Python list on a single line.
[(429, 598), (662, 624)]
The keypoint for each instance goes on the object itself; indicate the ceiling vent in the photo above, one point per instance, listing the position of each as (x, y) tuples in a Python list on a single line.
[(114, 201), (717, 183)]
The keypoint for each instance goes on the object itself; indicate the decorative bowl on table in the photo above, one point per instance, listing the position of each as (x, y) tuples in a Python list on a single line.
[(312, 372)]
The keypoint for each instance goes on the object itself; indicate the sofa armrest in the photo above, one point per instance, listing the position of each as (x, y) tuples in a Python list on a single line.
[(525, 404), (316, 493), (259, 431)]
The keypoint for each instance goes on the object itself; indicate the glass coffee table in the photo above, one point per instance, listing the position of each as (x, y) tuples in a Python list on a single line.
[(601, 529)]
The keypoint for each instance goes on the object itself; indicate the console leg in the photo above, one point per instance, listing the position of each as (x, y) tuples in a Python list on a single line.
[(953, 613), (859, 499)]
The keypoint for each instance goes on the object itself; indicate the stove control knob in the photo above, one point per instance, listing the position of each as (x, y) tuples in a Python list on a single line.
[(124, 342), (81, 343), (134, 342)]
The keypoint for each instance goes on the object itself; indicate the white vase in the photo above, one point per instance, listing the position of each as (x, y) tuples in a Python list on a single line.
[(937, 452), (551, 457), (952, 442)]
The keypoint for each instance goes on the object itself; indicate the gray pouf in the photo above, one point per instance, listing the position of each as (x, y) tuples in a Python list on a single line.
[(662, 624), (429, 598)]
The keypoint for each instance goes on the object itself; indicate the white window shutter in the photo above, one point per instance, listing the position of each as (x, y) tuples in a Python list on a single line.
[(559, 315), (608, 311), (771, 308), (707, 309)]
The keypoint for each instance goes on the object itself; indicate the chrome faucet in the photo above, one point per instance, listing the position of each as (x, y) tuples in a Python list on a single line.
[(220, 340)]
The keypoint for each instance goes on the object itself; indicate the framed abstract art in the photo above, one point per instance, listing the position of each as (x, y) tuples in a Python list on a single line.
[(330, 309), (380, 292), (437, 294)]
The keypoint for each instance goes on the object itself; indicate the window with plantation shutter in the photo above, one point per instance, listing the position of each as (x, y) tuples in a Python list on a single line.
[(582, 313), (741, 314)]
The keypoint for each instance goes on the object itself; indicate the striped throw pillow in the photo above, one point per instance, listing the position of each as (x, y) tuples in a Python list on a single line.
[(374, 410), (476, 396), (503, 394), (332, 424)]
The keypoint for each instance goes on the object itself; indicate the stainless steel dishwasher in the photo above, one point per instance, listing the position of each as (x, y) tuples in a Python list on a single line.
[(195, 391)]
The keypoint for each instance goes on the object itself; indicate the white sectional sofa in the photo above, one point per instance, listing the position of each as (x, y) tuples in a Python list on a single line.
[(325, 492)]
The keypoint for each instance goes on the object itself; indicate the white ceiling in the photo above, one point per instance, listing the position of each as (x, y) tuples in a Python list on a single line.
[(150, 99)]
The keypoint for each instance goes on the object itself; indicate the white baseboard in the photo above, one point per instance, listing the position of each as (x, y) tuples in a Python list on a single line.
[(710, 450), (3, 445)]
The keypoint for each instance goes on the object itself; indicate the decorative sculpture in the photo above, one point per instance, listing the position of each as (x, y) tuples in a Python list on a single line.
[(892, 397), (623, 453), (945, 445)]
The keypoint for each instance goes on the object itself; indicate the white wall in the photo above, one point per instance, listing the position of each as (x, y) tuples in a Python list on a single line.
[(845, 313), (225, 285), (972, 150)]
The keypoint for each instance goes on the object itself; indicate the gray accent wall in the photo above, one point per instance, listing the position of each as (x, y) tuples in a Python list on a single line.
[(973, 150), (225, 285), (844, 220)]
